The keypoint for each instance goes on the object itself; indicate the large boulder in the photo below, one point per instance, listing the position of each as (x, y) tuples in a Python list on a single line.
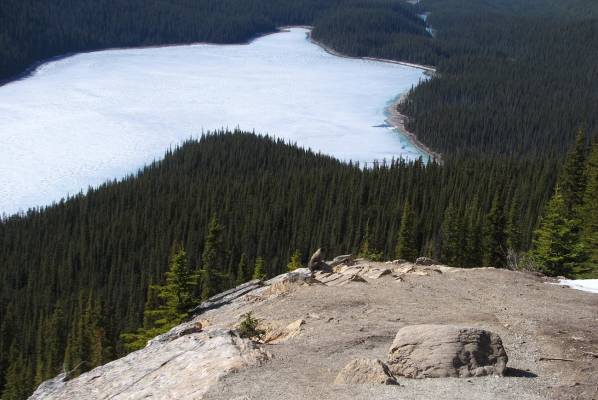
[(364, 371), (437, 351)]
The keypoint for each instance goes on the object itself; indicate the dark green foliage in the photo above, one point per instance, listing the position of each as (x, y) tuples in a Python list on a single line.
[(243, 272), (495, 235), (366, 249), (566, 241), (248, 327), (212, 273), (18, 380), (515, 78), (295, 261), (84, 346), (406, 243), (588, 217), (453, 238), (573, 178), (166, 305), (554, 246), (259, 269)]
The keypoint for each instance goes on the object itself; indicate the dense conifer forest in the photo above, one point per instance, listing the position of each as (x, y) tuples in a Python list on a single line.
[(514, 82)]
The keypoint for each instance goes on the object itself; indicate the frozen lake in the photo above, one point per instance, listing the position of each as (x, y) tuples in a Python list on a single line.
[(81, 120)]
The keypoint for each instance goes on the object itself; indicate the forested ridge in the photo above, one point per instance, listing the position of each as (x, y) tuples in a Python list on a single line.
[(515, 80)]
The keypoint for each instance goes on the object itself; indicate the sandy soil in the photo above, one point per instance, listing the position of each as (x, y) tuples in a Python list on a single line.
[(550, 334)]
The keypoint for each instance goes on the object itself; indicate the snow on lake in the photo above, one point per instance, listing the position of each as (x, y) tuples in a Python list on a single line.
[(81, 120), (587, 285)]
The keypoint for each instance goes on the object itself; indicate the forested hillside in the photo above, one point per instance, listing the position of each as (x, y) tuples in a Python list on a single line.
[(518, 78), (96, 254)]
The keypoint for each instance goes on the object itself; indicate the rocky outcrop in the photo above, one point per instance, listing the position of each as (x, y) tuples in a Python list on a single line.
[(426, 261), (317, 263), (178, 331), (227, 296), (365, 371), (183, 368), (437, 351), (282, 334), (315, 323), (346, 259)]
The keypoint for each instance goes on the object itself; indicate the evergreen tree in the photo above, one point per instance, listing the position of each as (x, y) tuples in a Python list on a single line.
[(7, 329), (212, 259), (573, 179), (295, 261), (17, 386), (259, 271), (554, 244), (473, 253), (452, 238), (495, 236), (588, 216), (406, 247), (242, 271), (180, 283), (365, 249), (169, 303), (514, 223)]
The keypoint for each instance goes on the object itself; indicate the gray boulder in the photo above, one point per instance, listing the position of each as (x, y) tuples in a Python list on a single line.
[(316, 262), (346, 259), (437, 351), (363, 372), (426, 261)]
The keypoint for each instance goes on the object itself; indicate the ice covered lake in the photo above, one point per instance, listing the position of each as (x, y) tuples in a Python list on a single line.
[(81, 120)]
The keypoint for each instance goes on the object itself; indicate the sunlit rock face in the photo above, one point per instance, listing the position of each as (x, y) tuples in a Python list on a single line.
[(81, 120)]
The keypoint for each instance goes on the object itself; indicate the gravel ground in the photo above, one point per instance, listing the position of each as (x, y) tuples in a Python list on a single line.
[(549, 332)]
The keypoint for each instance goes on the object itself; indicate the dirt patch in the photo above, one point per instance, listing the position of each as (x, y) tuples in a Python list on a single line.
[(548, 331)]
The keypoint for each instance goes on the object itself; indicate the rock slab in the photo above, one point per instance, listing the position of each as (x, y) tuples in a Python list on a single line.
[(182, 368), (437, 351), (365, 371)]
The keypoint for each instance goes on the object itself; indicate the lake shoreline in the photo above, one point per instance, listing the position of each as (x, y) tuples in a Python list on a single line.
[(395, 118), (427, 68), (398, 121), (30, 70)]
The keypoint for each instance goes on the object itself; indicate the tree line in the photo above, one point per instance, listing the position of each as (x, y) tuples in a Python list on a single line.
[(35, 30)]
